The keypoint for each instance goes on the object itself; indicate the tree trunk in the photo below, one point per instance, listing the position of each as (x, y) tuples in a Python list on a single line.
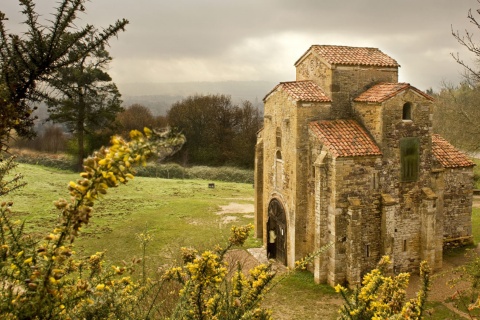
[(81, 132)]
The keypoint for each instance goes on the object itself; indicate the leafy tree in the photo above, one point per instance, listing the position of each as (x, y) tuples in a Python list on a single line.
[(217, 131), (250, 121), (30, 61), (137, 117), (87, 99), (456, 115)]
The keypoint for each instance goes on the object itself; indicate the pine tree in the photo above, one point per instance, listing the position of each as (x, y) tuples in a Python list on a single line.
[(87, 99), (30, 61)]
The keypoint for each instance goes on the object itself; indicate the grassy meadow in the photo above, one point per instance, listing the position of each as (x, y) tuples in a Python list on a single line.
[(176, 213)]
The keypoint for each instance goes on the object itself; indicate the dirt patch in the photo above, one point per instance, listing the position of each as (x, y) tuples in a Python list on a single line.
[(233, 207)]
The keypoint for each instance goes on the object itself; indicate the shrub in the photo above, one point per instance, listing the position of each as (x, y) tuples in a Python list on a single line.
[(44, 278), (175, 171), (383, 297)]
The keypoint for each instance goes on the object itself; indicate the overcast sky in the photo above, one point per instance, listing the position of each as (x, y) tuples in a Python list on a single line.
[(245, 40)]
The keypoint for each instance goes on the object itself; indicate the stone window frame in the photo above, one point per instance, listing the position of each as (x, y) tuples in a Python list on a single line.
[(407, 111)]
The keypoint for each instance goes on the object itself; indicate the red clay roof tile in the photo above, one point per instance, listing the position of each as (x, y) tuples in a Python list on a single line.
[(384, 91), (304, 91), (343, 55), (448, 155), (345, 138)]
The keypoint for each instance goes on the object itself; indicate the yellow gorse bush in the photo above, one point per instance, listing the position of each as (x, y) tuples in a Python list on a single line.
[(43, 279), (383, 296), (209, 293)]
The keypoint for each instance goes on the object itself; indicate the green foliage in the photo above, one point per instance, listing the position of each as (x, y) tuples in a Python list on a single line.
[(34, 58), (87, 100), (383, 297), (176, 171), (209, 293), (8, 185), (217, 131), (476, 225), (42, 278)]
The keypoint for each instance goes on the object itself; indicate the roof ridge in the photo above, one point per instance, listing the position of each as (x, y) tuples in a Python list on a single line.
[(383, 91), (304, 91), (348, 55)]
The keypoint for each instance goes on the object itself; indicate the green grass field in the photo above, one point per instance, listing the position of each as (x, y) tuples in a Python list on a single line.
[(176, 213)]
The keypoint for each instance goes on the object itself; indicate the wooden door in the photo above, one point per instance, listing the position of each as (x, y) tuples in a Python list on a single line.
[(277, 249)]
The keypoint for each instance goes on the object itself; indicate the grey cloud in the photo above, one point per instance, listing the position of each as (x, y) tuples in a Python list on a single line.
[(209, 30)]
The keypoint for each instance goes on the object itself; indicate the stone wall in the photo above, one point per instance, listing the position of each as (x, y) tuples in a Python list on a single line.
[(456, 186), (358, 217), (285, 179), (364, 206), (350, 81), (342, 83), (312, 68)]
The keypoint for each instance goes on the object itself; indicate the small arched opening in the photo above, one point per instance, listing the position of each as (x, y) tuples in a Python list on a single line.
[(407, 111)]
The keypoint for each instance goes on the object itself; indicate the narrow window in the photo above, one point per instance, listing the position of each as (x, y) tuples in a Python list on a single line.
[(278, 170), (409, 158), (407, 111), (367, 250), (404, 245), (375, 180), (279, 138)]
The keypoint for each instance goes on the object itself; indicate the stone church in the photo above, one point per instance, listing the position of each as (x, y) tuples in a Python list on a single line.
[(347, 157)]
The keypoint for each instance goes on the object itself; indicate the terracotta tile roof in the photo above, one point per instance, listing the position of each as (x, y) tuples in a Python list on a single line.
[(345, 138), (448, 155), (305, 91), (343, 55), (384, 91)]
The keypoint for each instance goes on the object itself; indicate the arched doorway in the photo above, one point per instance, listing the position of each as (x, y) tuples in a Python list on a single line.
[(277, 232)]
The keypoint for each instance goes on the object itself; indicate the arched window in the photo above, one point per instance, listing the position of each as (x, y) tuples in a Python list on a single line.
[(278, 155), (407, 111)]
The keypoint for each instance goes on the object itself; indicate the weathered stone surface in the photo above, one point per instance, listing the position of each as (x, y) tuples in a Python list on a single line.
[(401, 202)]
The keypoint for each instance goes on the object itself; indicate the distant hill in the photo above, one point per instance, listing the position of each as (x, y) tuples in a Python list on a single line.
[(159, 97)]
